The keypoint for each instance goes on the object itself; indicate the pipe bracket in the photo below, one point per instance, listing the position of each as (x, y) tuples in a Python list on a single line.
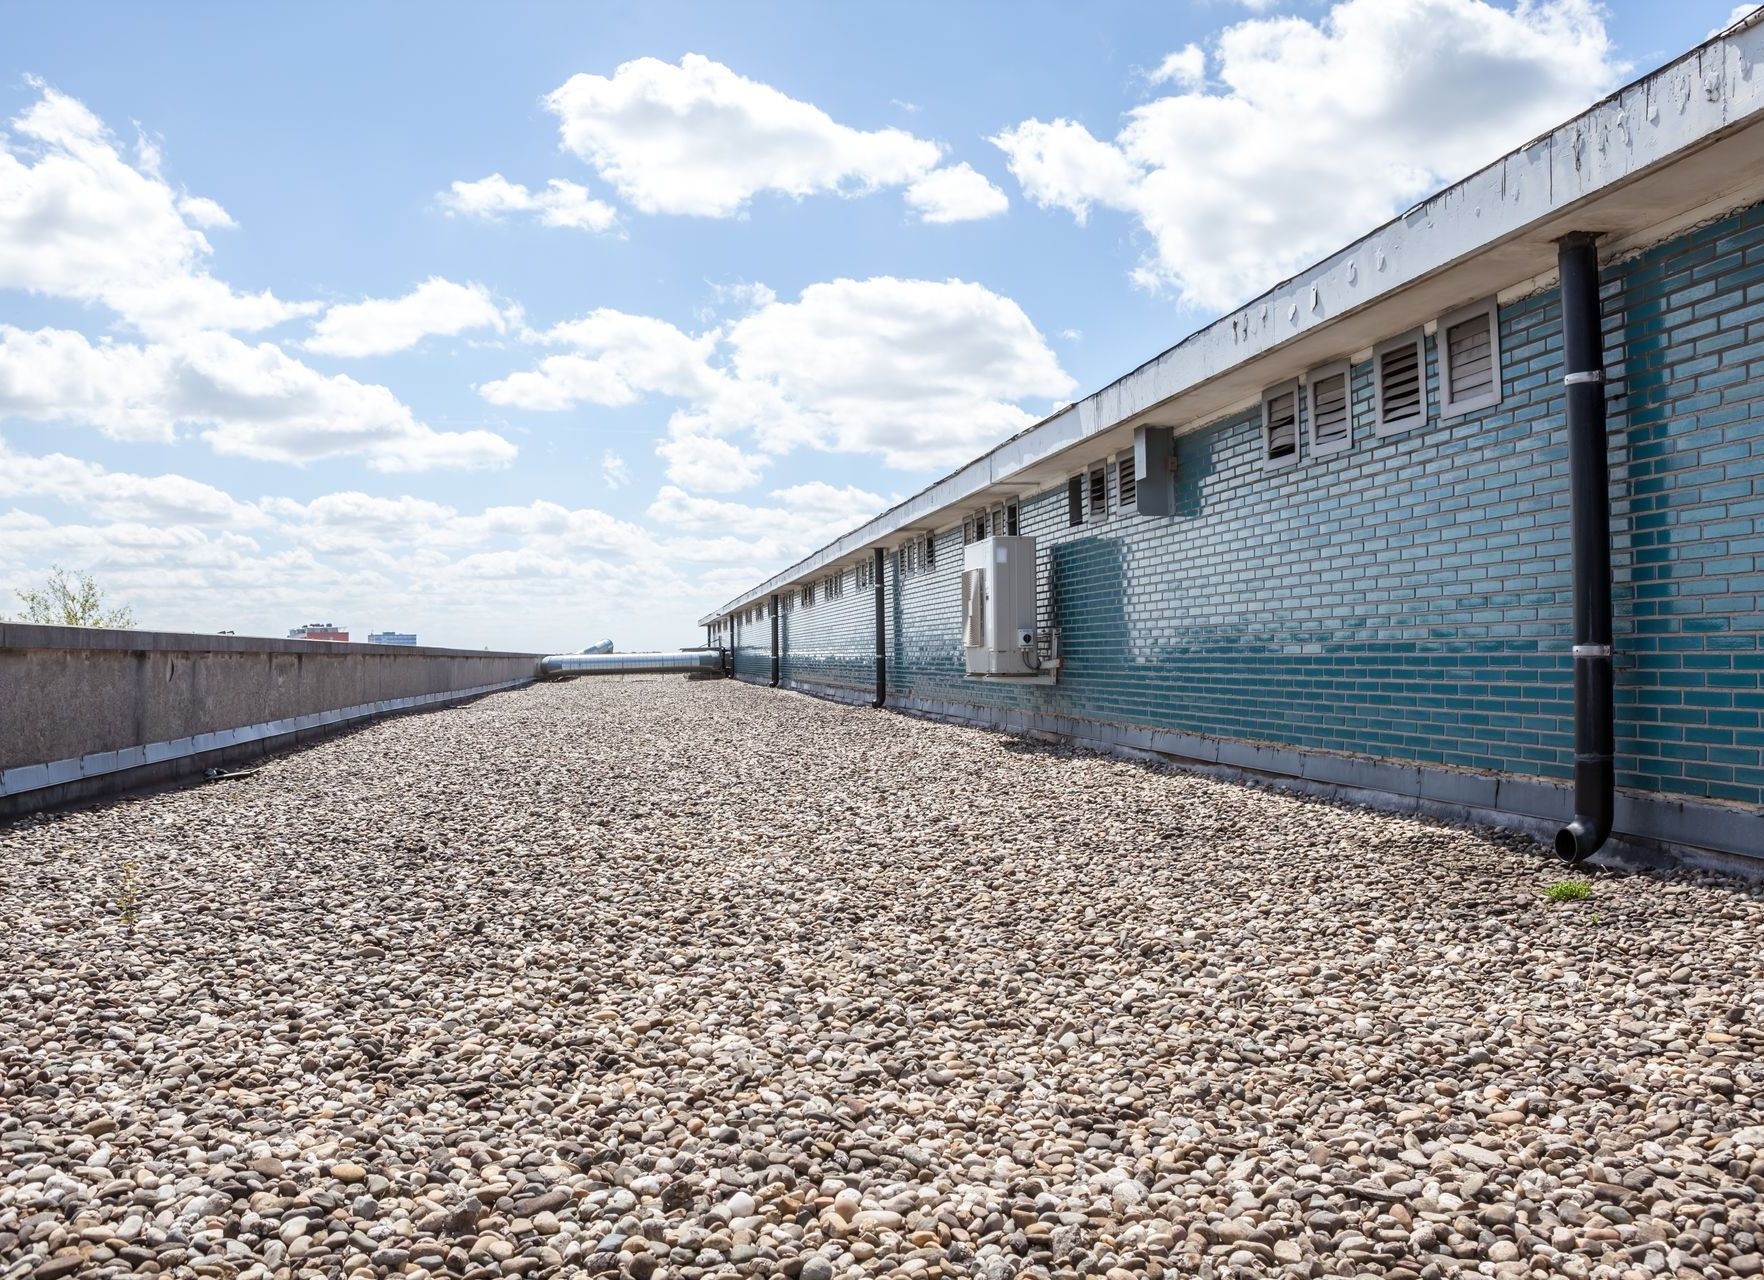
[(1592, 651), (1584, 375)]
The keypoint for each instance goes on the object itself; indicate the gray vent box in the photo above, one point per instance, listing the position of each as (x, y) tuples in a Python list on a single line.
[(1154, 466)]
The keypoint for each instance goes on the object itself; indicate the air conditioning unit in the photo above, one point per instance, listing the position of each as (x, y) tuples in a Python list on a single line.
[(998, 608)]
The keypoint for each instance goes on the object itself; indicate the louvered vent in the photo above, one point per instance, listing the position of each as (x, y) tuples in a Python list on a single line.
[(1075, 501), (1282, 420), (1470, 359), (1126, 483), (1099, 492), (1399, 385), (1329, 412)]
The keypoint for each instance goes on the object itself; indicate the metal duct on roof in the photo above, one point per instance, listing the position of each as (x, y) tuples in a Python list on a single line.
[(684, 663)]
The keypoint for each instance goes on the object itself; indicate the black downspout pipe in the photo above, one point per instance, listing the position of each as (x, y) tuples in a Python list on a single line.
[(775, 642), (1589, 499), (881, 698)]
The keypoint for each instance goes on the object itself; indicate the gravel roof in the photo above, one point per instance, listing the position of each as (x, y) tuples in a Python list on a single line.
[(697, 979)]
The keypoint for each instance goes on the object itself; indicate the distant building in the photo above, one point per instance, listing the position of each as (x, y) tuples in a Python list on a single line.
[(318, 631), (391, 637)]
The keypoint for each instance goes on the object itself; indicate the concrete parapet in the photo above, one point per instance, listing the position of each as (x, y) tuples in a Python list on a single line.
[(87, 712)]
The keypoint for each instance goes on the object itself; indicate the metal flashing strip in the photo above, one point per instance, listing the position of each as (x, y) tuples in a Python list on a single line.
[(55, 773)]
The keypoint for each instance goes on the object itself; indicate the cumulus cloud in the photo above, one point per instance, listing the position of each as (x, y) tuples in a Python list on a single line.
[(614, 472), (366, 560), (787, 525), (410, 522), (617, 359), (1186, 67), (922, 372), (918, 372), (254, 401), (699, 139), (1317, 132), (379, 326), (558, 204), (187, 554), (956, 193), (709, 464), (79, 221), (116, 495)]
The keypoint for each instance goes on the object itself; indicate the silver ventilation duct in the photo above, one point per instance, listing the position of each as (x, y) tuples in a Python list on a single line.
[(687, 662)]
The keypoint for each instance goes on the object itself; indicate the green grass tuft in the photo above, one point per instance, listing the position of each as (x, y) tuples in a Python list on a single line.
[(128, 897), (1568, 891)]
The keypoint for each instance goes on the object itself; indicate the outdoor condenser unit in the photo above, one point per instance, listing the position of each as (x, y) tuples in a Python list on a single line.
[(998, 608)]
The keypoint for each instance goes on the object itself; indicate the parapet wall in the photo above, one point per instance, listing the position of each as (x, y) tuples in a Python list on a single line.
[(87, 712)]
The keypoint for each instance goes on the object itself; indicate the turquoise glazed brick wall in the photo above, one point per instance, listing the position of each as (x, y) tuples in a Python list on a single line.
[(833, 641), (753, 646), (1409, 598), (1687, 328)]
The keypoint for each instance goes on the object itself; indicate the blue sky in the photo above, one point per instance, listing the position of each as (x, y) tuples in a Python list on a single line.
[(657, 298)]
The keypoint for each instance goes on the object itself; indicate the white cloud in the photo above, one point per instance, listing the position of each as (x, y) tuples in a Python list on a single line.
[(559, 204), (709, 464), (378, 326), (1319, 131), (57, 375), (1186, 67), (253, 401), (336, 519), (374, 562), (618, 358), (1063, 165), (205, 212), (956, 194), (613, 470), (919, 372), (922, 372), (699, 139), (363, 514), (78, 221), (116, 495), (790, 523), (188, 556)]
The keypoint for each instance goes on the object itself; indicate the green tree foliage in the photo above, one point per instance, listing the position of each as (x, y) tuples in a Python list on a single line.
[(72, 600)]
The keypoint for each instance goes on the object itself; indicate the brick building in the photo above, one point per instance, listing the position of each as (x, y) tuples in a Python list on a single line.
[(318, 631), (1354, 572)]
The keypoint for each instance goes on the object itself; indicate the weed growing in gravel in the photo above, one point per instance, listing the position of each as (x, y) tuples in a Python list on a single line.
[(1568, 891), (128, 897)]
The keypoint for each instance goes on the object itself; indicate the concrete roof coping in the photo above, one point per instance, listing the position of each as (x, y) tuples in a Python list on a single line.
[(1711, 91), (30, 635)]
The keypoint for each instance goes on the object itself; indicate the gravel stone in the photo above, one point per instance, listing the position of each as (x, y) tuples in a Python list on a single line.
[(688, 981)]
